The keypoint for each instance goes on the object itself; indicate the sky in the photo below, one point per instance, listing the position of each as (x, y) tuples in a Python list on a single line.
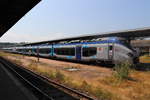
[(55, 19)]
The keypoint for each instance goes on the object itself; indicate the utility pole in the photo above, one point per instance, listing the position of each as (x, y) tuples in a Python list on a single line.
[(149, 51), (23, 54)]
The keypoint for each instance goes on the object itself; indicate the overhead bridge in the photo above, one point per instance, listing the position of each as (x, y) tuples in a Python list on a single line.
[(128, 34), (12, 11)]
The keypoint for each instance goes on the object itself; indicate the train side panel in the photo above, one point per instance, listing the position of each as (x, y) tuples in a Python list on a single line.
[(102, 52), (64, 51), (95, 52), (45, 51)]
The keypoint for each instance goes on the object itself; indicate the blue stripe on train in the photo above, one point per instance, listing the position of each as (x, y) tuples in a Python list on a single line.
[(98, 42), (69, 57)]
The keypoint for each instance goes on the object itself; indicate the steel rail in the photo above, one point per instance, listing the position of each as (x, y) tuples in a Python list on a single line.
[(42, 95), (46, 80)]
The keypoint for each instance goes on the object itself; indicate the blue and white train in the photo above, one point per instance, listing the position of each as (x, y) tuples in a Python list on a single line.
[(109, 49)]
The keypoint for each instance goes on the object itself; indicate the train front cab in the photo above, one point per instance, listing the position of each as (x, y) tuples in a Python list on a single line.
[(123, 52), (116, 50)]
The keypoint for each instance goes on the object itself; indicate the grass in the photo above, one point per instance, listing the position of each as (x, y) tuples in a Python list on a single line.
[(3, 54), (122, 70), (96, 91), (103, 94), (33, 66), (107, 88), (17, 61), (60, 76), (83, 86)]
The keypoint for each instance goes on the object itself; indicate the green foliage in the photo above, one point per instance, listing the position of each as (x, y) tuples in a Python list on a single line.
[(48, 74), (85, 86), (52, 75), (2, 54), (102, 94), (122, 70), (96, 91), (59, 76)]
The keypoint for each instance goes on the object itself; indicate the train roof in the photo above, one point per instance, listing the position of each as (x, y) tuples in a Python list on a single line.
[(128, 34), (12, 11)]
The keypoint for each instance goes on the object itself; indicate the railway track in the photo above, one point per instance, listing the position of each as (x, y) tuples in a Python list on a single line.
[(42, 87)]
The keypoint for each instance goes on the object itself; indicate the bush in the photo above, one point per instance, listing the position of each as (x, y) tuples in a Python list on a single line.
[(122, 70), (96, 91), (59, 76), (48, 74), (103, 94), (85, 86)]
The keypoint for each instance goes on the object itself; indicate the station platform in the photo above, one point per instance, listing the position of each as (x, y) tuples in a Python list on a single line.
[(11, 88)]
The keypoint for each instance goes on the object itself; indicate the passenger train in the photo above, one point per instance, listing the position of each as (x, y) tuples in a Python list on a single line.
[(109, 49)]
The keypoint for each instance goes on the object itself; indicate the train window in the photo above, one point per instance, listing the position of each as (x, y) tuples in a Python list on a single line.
[(28, 50), (65, 51), (72, 51), (44, 50), (34, 50), (21, 50), (110, 47), (91, 51)]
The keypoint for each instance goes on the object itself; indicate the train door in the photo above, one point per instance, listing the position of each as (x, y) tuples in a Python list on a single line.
[(52, 50), (37, 51), (78, 52), (110, 51)]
